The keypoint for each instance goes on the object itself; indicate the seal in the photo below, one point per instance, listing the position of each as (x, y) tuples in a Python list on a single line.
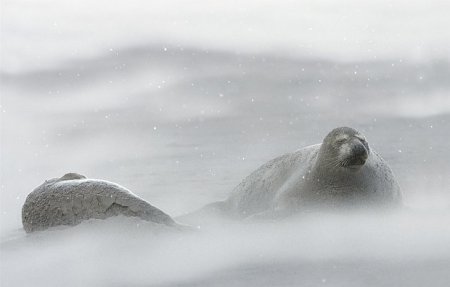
[(73, 198), (342, 171)]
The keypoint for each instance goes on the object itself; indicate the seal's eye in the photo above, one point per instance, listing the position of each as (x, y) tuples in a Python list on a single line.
[(363, 140), (340, 141)]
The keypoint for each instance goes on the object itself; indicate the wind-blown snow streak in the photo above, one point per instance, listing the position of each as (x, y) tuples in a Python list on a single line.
[(345, 30)]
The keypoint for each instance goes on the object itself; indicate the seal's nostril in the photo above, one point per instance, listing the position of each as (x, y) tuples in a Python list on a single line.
[(364, 155), (360, 151)]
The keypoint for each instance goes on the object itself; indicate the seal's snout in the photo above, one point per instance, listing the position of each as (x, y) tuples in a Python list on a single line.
[(359, 155), (360, 151)]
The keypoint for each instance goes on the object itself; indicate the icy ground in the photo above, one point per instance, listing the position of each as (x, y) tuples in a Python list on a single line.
[(126, 94), (408, 249)]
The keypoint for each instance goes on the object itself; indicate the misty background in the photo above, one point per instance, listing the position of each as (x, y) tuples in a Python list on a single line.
[(180, 100)]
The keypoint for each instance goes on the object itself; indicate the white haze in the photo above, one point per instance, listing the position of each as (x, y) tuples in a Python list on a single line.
[(340, 250), (179, 101), (38, 34)]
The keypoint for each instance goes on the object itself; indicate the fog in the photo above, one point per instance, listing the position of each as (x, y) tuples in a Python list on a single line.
[(45, 32), (179, 102), (407, 249)]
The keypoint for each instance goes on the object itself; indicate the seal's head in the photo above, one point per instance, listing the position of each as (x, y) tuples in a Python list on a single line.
[(345, 148)]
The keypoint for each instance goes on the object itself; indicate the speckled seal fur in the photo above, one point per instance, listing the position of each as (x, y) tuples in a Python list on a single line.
[(342, 171), (73, 198)]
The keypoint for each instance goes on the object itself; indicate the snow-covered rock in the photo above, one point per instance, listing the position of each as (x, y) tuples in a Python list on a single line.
[(73, 198)]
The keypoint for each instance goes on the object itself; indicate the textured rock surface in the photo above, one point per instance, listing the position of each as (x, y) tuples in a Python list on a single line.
[(73, 198)]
